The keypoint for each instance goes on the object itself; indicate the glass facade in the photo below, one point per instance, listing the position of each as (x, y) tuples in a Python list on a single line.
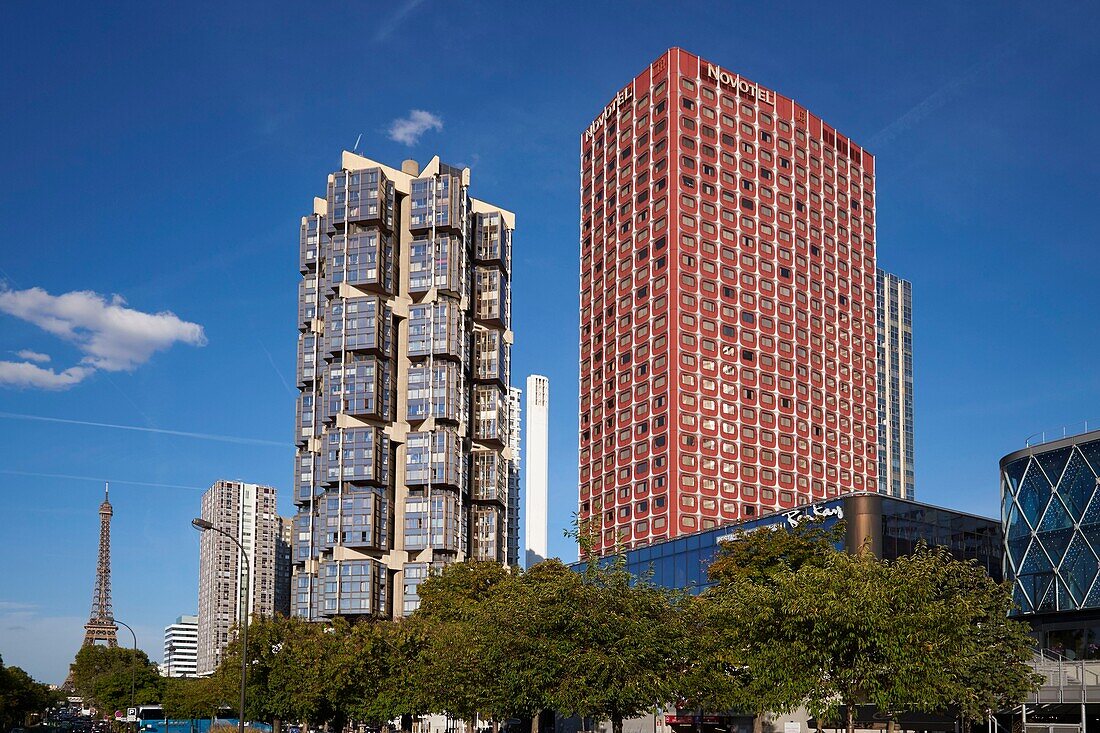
[(893, 528), (385, 368), (894, 305), (1052, 525)]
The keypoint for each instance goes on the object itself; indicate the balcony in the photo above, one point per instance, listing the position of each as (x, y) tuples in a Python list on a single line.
[(360, 387), (492, 241), (491, 356), (492, 304), (351, 588), (433, 522), (363, 259), (490, 415), (358, 324), (307, 359), (490, 477), (436, 202), (440, 263), (313, 243), (361, 197), (437, 328), (362, 456), (488, 531), (437, 394), (435, 459), (356, 518)]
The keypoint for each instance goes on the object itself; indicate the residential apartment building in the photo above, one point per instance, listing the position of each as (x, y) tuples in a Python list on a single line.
[(246, 512), (181, 644), (727, 314), (403, 365), (895, 385), (537, 473)]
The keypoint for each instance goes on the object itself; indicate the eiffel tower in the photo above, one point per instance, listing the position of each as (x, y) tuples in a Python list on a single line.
[(101, 627)]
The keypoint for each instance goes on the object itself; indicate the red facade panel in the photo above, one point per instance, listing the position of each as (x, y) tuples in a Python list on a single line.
[(727, 306)]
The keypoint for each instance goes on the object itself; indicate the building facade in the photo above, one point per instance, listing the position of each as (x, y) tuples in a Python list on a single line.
[(1051, 513), (727, 306), (515, 438), (537, 474), (403, 365), (284, 536), (248, 513), (894, 311), (181, 644), (889, 527)]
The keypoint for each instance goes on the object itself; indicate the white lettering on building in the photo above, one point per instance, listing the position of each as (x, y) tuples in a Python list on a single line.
[(815, 513), (737, 84), (620, 99)]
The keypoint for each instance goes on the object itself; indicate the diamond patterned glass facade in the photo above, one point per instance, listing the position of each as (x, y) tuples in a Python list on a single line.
[(1051, 515)]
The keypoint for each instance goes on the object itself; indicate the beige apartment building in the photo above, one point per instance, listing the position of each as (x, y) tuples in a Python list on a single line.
[(248, 513)]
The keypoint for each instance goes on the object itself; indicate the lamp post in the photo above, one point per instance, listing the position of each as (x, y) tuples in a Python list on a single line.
[(202, 525), (132, 659)]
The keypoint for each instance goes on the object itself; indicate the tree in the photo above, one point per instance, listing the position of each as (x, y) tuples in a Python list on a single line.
[(535, 630), (760, 554), (739, 662), (106, 675), (792, 621), (962, 617), (21, 696), (292, 670), (375, 688), (188, 698), (455, 669), (625, 639)]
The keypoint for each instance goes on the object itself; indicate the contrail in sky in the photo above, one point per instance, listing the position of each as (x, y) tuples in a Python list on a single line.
[(141, 429), (943, 95), (98, 479)]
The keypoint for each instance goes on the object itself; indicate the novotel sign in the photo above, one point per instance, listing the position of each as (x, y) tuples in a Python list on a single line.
[(795, 517), (736, 83), (609, 111)]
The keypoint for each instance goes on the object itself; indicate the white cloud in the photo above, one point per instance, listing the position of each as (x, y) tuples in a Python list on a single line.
[(113, 337), (407, 130), (29, 355), (26, 374)]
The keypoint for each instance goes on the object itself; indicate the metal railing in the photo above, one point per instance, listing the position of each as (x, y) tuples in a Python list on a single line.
[(1065, 680), (1049, 436)]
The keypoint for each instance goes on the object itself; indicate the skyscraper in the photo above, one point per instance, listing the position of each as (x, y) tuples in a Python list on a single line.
[(895, 385), (535, 505), (727, 306), (403, 362), (248, 513), (515, 410), (181, 642)]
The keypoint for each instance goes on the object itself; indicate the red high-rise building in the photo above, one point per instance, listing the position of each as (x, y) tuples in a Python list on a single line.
[(727, 306)]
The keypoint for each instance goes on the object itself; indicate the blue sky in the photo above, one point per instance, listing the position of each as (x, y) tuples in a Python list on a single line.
[(165, 155)]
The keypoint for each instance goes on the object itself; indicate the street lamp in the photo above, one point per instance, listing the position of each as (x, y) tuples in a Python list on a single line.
[(132, 659), (202, 525)]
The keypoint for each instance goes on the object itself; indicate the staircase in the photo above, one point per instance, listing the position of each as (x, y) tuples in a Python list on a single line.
[(1065, 681)]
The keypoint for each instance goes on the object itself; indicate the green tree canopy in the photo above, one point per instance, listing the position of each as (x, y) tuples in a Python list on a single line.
[(21, 696), (791, 621), (105, 676)]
